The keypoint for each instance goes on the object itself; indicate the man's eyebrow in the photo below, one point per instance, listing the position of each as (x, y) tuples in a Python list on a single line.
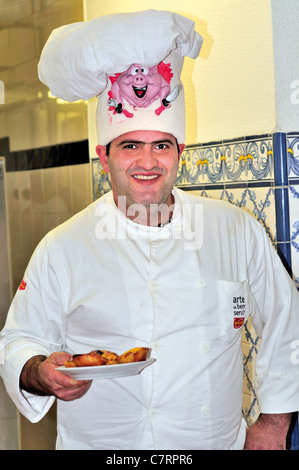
[(163, 141), (154, 142), (124, 142)]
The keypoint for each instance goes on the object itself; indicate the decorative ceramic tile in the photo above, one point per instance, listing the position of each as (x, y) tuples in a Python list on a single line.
[(293, 154), (249, 350), (259, 202), (100, 179), (246, 160), (250, 409), (294, 230), (295, 265)]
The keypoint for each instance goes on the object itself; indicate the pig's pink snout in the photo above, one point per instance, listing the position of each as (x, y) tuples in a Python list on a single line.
[(139, 79)]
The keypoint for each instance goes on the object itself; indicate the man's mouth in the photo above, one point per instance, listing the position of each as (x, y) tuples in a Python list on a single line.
[(140, 91), (145, 177)]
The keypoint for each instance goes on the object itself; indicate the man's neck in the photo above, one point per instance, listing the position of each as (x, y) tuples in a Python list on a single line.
[(154, 215)]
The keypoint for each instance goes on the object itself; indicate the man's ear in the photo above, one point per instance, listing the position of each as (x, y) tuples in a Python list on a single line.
[(101, 152), (181, 149)]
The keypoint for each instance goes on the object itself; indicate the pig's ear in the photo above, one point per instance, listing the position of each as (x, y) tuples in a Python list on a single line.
[(165, 71), (102, 154)]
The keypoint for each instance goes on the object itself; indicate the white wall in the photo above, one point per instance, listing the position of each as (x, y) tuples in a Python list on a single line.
[(285, 16)]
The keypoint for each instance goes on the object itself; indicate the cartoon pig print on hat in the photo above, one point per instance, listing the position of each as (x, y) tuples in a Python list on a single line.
[(140, 86)]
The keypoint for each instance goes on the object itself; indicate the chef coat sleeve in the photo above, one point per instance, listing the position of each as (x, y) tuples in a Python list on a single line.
[(33, 327), (275, 316)]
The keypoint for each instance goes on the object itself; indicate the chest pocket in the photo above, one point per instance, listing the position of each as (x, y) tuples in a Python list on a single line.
[(233, 302)]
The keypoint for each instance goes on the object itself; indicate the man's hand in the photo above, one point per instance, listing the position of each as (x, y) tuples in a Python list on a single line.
[(40, 377), (268, 432)]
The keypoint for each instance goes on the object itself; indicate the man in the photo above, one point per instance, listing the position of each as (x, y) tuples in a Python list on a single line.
[(150, 265), (143, 166)]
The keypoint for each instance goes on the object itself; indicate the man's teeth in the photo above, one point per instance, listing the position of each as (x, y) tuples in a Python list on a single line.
[(145, 177)]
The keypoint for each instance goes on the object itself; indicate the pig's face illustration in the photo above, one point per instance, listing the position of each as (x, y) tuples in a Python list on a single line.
[(140, 86)]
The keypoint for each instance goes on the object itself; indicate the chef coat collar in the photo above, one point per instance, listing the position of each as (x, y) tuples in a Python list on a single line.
[(145, 231), (113, 223)]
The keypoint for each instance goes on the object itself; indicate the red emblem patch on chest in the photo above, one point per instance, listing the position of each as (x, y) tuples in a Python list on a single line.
[(22, 285), (238, 322)]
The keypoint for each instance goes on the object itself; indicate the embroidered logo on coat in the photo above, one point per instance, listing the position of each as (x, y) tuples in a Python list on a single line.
[(239, 311), (22, 285)]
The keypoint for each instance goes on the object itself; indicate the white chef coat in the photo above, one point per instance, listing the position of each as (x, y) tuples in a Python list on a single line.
[(100, 281)]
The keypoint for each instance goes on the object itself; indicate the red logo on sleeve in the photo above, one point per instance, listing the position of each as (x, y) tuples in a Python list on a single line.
[(23, 285)]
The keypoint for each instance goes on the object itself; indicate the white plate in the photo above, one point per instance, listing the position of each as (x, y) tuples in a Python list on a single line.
[(105, 372)]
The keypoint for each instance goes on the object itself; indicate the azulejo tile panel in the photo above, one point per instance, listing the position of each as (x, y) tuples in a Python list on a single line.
[(294, 230), (101, 183), (239, 161), (293, 154), (250, 347), (293, 197), (257, 201)]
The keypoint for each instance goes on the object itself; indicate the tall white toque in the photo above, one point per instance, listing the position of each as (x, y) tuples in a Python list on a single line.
[(132, 62)]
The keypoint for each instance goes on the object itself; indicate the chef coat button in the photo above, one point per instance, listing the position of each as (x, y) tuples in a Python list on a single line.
[(200, 282), (205, 346), (152, 285), (155, 346), (151, 413), (206, 410)]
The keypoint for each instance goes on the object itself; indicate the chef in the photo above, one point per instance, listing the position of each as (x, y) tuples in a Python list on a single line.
[(148, 265)]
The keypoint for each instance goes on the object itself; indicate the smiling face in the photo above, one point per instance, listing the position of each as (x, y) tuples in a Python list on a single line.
[(143, 166), (139, 85)]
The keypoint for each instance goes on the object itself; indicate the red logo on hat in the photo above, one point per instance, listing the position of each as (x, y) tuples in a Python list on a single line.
[(140, 86), (23, 285)]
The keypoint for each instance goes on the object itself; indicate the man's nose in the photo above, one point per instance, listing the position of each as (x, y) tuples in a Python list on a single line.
[(147, 158)]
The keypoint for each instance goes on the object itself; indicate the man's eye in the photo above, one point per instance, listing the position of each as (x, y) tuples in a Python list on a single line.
[(130, 146), (161, 146)]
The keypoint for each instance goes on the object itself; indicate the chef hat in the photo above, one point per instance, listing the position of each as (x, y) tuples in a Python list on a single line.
[(132, 62)]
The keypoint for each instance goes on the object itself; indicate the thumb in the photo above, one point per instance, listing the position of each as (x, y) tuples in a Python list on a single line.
[(58, 358)]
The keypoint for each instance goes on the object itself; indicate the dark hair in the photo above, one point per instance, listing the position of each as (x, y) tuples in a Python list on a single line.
[(108, 149)]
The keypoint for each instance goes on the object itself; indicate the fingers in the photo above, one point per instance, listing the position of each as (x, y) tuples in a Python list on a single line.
[(71, 389), (66, 388), (62, 386)]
